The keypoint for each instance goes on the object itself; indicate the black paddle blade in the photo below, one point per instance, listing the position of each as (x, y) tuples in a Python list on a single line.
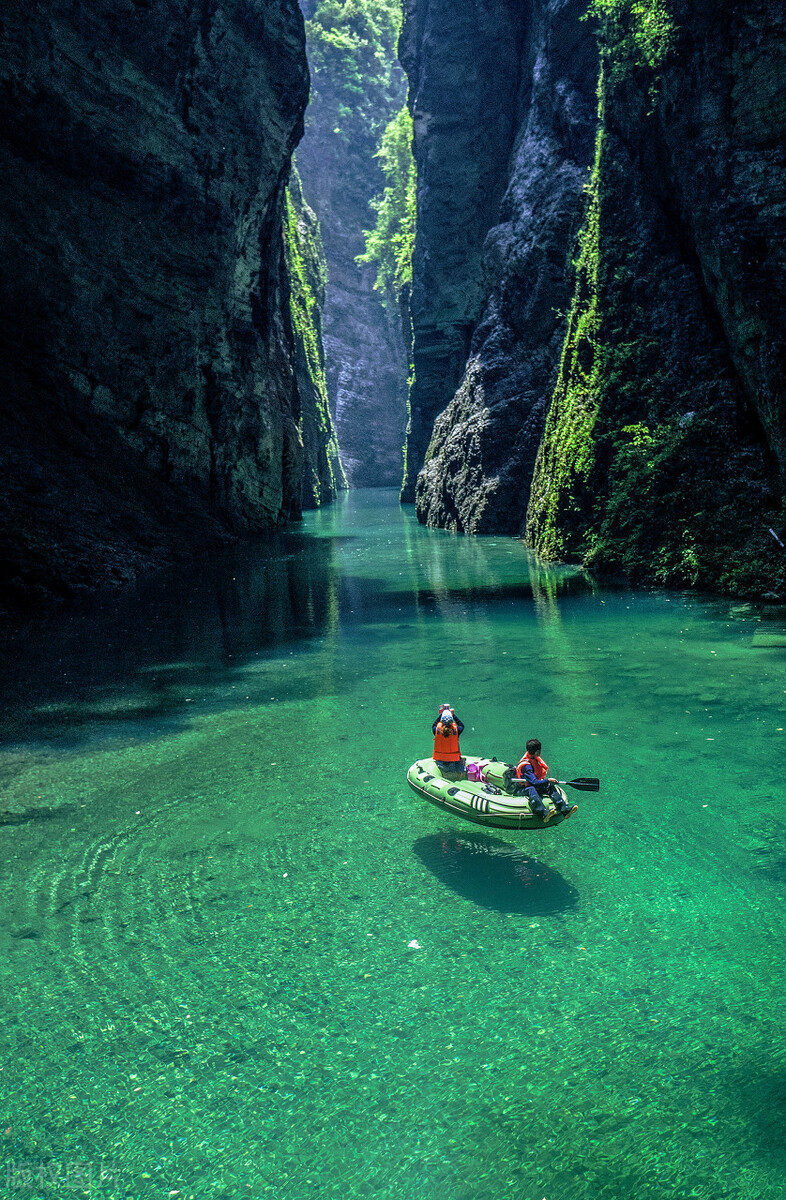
[(582, 784)]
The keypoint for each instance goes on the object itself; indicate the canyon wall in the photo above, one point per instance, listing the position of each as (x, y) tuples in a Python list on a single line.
[(357, 87), (148, 387), (629, 283), (503, 103), (664, 454)]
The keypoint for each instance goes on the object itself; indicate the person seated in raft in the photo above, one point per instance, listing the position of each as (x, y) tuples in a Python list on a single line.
[(447, 729), (536, 783)]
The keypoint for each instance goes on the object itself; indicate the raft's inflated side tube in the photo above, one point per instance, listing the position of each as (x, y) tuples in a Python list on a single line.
[(491, 803)]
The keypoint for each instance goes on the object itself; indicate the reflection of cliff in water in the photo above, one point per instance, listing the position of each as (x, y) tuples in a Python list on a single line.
[(495, 874), (450, 569), (152, 649)]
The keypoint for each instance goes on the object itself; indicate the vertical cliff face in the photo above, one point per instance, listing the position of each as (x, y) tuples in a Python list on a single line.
[(357, 87), (664, 448), (148, 393), (323, 471), (503, 105), (633, 271)]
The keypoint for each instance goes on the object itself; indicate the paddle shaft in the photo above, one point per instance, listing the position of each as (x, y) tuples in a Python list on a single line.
[(581, 784)]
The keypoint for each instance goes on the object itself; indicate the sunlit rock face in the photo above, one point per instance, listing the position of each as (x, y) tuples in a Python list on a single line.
[(690, 264), (148, 396), (503, 98)]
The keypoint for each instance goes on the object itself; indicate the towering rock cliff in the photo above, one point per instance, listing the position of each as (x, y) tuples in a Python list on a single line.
[(323, 470), (503, 100), (148, 388), (664, 452), (357, 87), (633, 271)]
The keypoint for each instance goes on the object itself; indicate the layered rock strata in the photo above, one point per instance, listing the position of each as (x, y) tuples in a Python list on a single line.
[(148, 392)]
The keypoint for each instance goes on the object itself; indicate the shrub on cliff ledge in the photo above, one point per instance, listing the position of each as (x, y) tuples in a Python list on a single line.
[(636, 32), (389, 244), (351, 46)]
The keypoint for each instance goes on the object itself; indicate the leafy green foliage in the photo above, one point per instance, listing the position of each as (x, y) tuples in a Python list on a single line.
[(389, 244), (637, 32), (356, 81), (567, 452)]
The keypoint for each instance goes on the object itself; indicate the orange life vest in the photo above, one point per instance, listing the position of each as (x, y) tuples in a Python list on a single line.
[(540, 768), (446, 749)]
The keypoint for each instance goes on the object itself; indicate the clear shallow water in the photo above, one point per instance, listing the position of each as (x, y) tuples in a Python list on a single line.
[(211, 868)]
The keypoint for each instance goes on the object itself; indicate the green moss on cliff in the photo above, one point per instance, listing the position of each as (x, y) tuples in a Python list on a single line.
[(567, 452), (323, 472), (652, 464)]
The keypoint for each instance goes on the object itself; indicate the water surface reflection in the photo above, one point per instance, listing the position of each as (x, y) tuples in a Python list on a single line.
[(147, 654)]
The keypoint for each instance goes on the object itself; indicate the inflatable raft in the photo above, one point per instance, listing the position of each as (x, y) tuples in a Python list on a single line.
[(495, 803)]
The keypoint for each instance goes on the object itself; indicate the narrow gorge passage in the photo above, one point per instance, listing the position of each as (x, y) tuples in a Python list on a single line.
[(270, 267), (355, 164)]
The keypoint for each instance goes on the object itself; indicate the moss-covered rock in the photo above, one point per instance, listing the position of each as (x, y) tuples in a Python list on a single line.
[(323, 473), (663, 453)]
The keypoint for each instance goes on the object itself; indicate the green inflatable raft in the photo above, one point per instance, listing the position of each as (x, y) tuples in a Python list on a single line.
[(493, 803)]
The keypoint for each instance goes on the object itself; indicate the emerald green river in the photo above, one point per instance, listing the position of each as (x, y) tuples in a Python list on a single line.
[(212, 872)]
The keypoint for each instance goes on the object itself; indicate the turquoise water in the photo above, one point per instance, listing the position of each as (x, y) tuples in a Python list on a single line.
[(211, 871)]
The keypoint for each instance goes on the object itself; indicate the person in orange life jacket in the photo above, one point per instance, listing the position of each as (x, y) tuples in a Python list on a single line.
[(533, 772), (447, 729)]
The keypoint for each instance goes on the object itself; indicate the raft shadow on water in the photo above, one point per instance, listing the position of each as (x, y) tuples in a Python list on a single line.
[(495, 874)]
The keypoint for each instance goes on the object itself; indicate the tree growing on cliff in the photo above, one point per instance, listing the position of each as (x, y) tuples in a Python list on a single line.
[(389, 244), (354, 71), (636, 32)]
